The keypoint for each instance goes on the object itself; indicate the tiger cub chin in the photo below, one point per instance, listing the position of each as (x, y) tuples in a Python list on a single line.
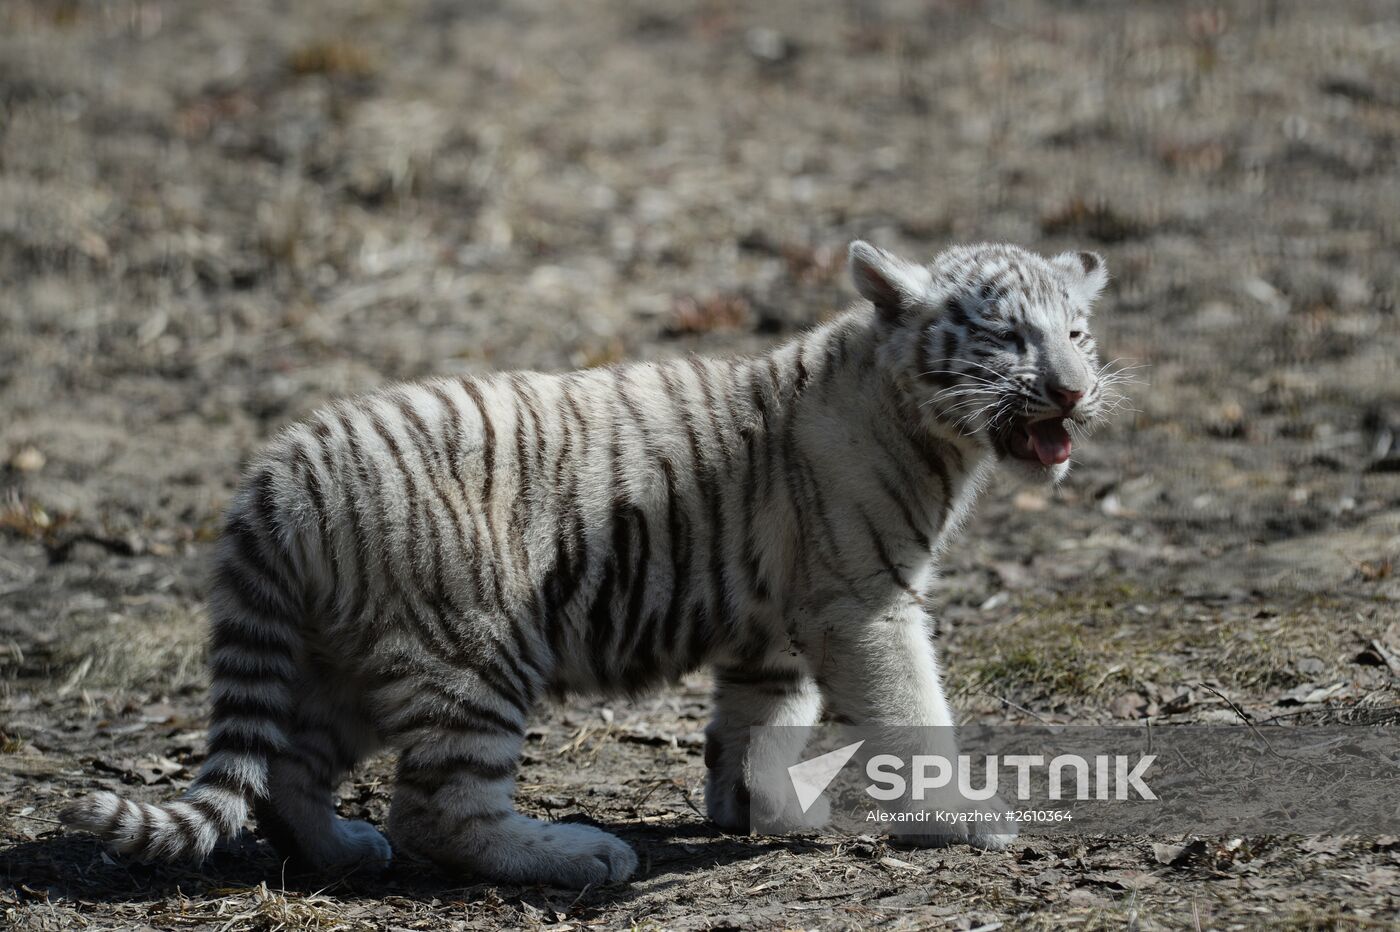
[(418, 567)]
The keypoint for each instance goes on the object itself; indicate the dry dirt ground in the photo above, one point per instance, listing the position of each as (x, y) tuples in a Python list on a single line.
[(214, 217)]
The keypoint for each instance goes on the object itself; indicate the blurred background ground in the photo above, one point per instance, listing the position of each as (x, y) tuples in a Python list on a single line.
[(215, 217)]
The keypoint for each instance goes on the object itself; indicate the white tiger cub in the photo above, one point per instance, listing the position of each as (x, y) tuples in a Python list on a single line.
[(417, 567)]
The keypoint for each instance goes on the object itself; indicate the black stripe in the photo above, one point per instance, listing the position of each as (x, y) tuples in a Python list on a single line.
[(339, 488), (255, 629), (834, 561), (256, 705), (190, 827), (266, 609), (455, 764), (421, 441), (697, 617), (243, 543), (559, 583), (452, 441), (950, 347), (802, 375), (315, 488), (372, 619), (488, 440), (934, 372), (264, 545), (531, 399), (229, 782), (430, 780), (216, 816), (906, 512), (601, 618), (486, 512), (883, 554), (713, 493), (431, 630), (523, 651), (463, 711), (141, 835), (600, 613), (681, 543), (755, 438), (487, 509), (113, 820), (435, 631), (637, 576), (522, 505), (957, 313), (803, 485), (492, 674), (236, 741), (486, 669), (467, 556), (932, 450), (461, 822), (638, 625)]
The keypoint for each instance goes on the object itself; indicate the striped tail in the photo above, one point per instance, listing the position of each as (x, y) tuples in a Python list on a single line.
[(253, 649)]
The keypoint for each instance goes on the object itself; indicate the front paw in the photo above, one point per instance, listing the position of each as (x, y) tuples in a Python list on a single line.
[(986, 824), (780, 816), (733, 807)]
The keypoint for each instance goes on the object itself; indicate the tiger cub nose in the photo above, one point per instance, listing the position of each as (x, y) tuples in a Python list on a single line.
[(1066, 398)]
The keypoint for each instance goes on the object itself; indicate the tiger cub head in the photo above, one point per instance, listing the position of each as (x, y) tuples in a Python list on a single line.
[(993, 343)]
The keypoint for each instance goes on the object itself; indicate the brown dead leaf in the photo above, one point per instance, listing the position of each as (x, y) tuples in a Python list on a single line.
[(1329, 844), (1309, 693), (1376, 654), (1095, 220), (1179, 855), (1122, 880), (704, 315), (1178, 703), (158, 713), (150, 770), (333, 57), (1130, 705), (1383, 878), (897, 864)]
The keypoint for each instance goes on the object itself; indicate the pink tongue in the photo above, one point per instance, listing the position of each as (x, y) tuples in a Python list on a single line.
[(1051, 442)]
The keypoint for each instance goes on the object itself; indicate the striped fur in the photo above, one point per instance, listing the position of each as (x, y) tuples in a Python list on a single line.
[(418, 567)]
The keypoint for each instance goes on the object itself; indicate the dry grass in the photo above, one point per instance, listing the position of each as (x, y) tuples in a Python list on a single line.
[(134, 654), (1092, 646)]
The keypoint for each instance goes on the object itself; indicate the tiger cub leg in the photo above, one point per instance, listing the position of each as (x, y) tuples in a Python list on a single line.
[(327, 738), (888, 677), (454, 798), (747, 781)]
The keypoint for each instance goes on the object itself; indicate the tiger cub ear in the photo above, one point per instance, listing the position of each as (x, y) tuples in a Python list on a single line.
[(1084, 272), (894, 285)]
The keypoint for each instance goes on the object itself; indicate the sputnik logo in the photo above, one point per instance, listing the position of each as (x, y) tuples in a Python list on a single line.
[(811, 777)]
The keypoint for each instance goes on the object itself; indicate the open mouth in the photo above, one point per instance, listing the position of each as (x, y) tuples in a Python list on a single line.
[(1044, 441)]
